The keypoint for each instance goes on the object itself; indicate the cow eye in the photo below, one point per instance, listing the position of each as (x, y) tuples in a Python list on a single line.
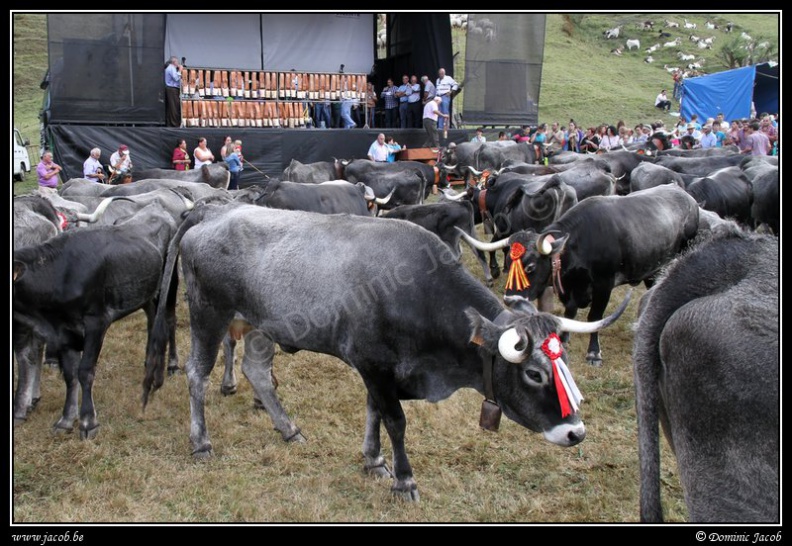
[(530, 267), (533, 376)]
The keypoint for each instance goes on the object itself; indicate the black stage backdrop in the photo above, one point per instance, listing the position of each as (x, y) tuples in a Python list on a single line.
[(266, 150)]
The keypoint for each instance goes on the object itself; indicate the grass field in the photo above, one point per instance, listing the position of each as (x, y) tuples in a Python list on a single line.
[(139, 469)]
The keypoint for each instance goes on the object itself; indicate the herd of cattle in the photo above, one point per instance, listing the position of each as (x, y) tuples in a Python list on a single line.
[(375, 279)]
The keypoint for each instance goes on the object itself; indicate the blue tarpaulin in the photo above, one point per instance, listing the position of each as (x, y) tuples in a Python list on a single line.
[(730, 92)]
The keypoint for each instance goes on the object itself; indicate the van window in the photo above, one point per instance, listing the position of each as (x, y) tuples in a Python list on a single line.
[(18, 139)]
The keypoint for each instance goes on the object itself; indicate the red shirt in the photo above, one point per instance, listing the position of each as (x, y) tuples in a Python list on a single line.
[(179, 155)]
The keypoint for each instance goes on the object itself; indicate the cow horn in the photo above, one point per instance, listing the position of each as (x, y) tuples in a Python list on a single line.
[(485, 247), (450, 167), (474, 171), (453, 197), (512, 346), (580, 327), (384, 200), (544, 244), (93, 217)]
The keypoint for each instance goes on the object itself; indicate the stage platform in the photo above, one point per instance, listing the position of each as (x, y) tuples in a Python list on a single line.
[(266, 150)]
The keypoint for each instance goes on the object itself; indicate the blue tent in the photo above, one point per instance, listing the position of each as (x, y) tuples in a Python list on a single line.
[(731, 92)]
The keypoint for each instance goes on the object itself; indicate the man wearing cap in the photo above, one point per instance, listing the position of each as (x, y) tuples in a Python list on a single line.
[(690, 138), (430, 114), (708, 139), (120, 161)]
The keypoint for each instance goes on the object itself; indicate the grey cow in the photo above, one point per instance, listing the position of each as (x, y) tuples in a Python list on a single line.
[(413, 322), (706, 364)]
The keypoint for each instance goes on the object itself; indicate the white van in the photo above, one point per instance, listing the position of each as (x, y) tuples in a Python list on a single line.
[(21, 157)]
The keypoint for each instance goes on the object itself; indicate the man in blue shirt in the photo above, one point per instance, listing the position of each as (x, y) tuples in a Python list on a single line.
[(414, 105), (173, 92), (391, 104), (403, 92)]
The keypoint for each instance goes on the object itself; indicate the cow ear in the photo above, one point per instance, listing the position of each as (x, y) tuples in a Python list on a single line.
[(521, 304), (19, 270), (483, 332), (548, 243)]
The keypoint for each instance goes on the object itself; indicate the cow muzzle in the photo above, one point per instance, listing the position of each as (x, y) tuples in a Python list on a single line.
[(566, 435)]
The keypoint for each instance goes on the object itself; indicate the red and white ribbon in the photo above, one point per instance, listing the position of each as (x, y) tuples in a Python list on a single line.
[(569, 396)]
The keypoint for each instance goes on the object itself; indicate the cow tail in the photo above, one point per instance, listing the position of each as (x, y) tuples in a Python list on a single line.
[(158, 337)]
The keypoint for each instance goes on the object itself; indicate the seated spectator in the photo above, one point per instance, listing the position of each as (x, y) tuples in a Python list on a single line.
[(590, 142), (639, 135), (539, 140), (555, 139), (503, 136), (662, 102), (611, 139), (379, 150), (479, 136), (573, 137)]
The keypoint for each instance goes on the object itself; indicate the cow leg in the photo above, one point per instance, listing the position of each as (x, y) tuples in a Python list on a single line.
[(545, 301), (600, 296), (570, 312), (229, 384), (257, 367), (69, 360), (94, 337), (207, 328), (373, 461), (170, 308), (29, 353), (386, 402)]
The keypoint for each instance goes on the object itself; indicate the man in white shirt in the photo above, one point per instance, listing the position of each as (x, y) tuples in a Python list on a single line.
[(708, 138), (92, 169), (378, 151), (662, 102), (430, 114), (444, 86), (120, 161)]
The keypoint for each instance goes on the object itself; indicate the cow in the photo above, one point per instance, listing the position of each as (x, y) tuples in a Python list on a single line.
[(490, 156), (648, 175), (601, 243), (512, 202), (706, 366), (730, 149), (364, 170), (216, 175), (412, 321), (727, 192), (313, 173), (441, 219), (401, 188), (456, 158), (332, 197), (700, 166), (766, 207), (71, 288)]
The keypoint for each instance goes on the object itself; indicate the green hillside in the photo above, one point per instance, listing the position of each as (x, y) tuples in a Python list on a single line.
[(581, 79)]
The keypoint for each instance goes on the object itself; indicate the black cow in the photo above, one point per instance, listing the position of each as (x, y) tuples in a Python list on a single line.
[(490, 156), (456, 158), (726, 192), (71, 288), (333, 197), (216, 175), (766, 207), (313, 173), (404, 188), (604, 242), (441, 219), (648, 175), (621, 164), (513, 202), (700, 152), (706, 363), (412, 321), (364, 170), (700, 166)]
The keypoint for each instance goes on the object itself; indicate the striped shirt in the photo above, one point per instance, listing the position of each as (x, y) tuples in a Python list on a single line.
[(446, 85)]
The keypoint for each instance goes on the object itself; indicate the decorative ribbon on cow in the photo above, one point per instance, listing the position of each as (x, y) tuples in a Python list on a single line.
[(64, 222), (517, 279), (569, 396)]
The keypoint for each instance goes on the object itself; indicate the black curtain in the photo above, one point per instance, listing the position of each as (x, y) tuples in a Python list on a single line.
[(767, 88)]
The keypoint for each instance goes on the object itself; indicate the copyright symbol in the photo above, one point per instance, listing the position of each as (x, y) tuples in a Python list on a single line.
[(701, 536)]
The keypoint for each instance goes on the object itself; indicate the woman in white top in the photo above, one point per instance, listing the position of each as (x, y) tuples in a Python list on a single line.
[(202, 154), (611, 140)]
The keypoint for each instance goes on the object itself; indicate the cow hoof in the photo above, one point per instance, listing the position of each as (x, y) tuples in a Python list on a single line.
[(594, 359), (34, 403), (490, 283), (378, 471), (295, 437), (90, 433), (407, 491), (60, 428), (51, 362), (228, 390), (258, 405), (173, 370), (202, 454), (495, 273)]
